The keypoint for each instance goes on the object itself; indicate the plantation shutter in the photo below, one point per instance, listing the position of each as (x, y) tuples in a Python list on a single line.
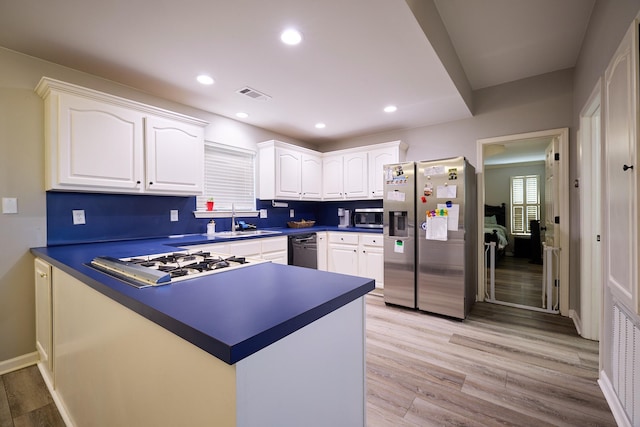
[(525, 203), (229, 177)]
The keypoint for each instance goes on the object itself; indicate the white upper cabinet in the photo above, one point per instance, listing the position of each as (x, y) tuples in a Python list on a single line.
[(102, 143), (332, 177), (311, 177), (293, 173), (174, 155), (377, 159), (355, 175), (288, 172), (345, 176)]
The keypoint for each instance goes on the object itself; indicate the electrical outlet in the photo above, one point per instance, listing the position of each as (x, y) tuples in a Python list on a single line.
[(174, 215), (263, 213), (291, 213), (78, 217), (9, 205)]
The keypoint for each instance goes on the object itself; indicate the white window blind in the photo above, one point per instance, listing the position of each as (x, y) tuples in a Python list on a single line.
[(525, 203), (229, 177)]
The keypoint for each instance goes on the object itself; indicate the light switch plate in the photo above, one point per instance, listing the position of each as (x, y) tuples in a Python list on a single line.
[(291, 213), (9, 205), (78, 217), (263, 213), (174, 215)]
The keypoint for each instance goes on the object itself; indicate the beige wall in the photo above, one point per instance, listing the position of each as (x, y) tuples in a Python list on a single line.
[(22, 176)]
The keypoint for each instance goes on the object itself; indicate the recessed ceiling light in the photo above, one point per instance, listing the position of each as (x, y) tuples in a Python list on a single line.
[(291, 36), (320, 126), (242, 115), (390, 108), (204, 79)]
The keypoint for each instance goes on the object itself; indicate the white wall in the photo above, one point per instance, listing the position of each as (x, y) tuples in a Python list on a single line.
[(532, 104), (22, 176)]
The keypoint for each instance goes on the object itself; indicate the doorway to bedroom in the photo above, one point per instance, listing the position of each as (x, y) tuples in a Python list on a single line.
[(522, 200)]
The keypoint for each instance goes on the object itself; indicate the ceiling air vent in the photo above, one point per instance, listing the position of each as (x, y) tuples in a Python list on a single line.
[(254, 94)]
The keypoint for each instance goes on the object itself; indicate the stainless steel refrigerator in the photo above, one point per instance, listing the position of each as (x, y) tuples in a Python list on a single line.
[(439, 202)]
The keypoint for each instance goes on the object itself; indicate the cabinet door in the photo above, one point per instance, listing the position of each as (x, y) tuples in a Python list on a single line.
[(98, 145), (311, 183), (288, 168), (343, 259), (175, 157), (43, 312), (355, 176), (321, 241), (371, 264), (251, 248), (332, 177), (377, 160), (621, 169)]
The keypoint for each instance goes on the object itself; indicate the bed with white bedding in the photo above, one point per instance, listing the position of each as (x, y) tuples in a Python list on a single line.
[(495, 229)]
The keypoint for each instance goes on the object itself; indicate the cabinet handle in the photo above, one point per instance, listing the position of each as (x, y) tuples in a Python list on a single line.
[(355, 250), (150, 182), (43, 275), (626, 168), (137, 182)]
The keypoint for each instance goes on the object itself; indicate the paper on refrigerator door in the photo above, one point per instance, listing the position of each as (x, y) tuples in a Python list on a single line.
[(453, 214), (396, 196), (437, 225), (447, 191)]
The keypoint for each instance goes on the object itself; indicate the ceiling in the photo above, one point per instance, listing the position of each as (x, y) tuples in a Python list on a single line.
[(356, 56)]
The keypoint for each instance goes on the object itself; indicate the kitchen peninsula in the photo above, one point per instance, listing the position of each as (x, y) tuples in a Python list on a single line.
[(264, 345)]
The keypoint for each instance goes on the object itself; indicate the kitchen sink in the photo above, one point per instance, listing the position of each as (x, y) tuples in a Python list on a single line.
[(245, 233)]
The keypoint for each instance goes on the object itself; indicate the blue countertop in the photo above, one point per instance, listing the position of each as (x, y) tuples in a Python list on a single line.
[(230, 315)]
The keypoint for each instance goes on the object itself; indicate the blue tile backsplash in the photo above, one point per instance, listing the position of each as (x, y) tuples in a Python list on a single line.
[(112, 217)]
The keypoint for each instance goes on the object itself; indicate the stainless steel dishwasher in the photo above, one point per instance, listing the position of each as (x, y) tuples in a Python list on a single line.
[(303, 250)]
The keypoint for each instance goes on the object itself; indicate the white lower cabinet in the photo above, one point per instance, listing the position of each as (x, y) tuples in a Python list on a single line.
[(343, 253), (44, 316), (357, 254), (371, 258), (273, 249)]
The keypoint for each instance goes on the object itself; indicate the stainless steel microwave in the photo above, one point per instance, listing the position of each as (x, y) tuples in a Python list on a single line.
[(368, 218)]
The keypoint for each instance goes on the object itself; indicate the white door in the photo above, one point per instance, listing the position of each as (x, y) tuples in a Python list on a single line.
[(550, 193), (590, 217), (550, 255), (43, 313), (620, 169)]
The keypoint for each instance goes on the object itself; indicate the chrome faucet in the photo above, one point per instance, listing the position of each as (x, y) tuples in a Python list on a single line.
[(233, 217)]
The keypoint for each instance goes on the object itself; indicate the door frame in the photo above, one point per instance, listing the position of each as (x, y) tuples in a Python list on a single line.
[(589, 140), (563, 209)]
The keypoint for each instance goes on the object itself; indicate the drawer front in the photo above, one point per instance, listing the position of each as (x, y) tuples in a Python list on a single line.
[(274, 244), (371, 239), (348, 238)]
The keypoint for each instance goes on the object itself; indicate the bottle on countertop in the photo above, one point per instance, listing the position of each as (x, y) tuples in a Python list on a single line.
[(211, 227)]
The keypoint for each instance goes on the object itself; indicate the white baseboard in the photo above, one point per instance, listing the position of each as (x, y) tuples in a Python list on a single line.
[(612, 399), (573, 315), (18, 362), (55, 396)]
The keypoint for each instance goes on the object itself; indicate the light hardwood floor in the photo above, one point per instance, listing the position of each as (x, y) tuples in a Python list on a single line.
[(519, 281), (501, 366), (26, 402)]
